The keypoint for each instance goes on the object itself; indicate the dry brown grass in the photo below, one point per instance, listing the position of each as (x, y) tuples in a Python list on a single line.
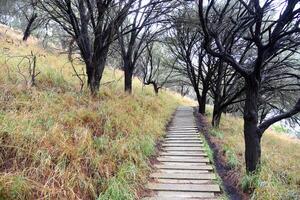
[(58, 143), (279, 177)]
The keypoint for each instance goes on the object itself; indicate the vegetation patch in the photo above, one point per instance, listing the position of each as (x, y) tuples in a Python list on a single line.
[(57, 142), (278, 176)]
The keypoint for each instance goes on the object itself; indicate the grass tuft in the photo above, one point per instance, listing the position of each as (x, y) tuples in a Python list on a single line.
[(217, 133), (232, 160)]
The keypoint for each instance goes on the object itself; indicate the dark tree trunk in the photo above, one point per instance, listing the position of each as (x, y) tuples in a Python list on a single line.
[(27, 31), (128, 73), (252, 138), (202, 105), (217, 112), (95, 70), (198, 96), (216, 117), (128, 81), (155, 87)]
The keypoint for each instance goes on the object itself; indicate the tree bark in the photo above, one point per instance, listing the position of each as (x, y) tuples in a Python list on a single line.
[(216, 117), (202, 106), (27, 31), (128, 81), (95, 71), (128, 73), (198, 96), (155, 87), (251, 136)]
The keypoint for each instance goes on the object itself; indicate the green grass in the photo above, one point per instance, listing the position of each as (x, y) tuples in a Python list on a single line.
[(59, 143), (210, 155), (231, 158), (217, 133), (279, 174)]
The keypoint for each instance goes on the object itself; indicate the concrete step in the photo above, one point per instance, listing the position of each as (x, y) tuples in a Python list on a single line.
[(175, 181), (186, 166), (189, 176), (183, 159), (183, 145), (166, 195), (183, 187), (188, 154), (196, 171), (183, 142), (184, 148)]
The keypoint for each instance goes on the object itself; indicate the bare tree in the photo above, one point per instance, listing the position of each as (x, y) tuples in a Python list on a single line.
[(140, 29), (30, 61), (30, 8), (156, 70), (226, 90), (93, 25), (184, 43), (258, 33)]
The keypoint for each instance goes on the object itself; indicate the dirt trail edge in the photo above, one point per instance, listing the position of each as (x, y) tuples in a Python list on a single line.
[(229, 176)]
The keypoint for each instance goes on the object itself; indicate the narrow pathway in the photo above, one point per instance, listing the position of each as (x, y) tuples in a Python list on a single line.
[(183, 170)]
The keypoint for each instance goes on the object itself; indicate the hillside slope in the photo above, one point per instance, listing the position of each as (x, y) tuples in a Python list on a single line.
[(279, 177), (59, 143)]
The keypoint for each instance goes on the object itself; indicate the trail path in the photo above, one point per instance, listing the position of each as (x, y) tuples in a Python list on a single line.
[(183, 171)]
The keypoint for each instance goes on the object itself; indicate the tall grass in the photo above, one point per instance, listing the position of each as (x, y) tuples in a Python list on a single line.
[(58, 143), (279, 175)]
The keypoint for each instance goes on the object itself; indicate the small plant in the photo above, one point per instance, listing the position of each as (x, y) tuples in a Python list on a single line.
[(208, 150), (121, 186), (30, 62), (231, 157), (217, 133), (250, 182)]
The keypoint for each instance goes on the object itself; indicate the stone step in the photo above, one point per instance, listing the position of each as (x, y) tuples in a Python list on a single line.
[(183, 159), (183, 134), (187, 166), (175, 127), (183, 142), (167, 195), (175, 181), (183, 164), (174, 137), (189, 176), (183, 130), (171, 139), (183, 145), (184, 148), (196, 171), (175, 153), (183, 187), (182, 139)]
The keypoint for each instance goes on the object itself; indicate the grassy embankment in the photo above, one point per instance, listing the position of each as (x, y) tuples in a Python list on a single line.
[(279, 177), (58, 143)]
